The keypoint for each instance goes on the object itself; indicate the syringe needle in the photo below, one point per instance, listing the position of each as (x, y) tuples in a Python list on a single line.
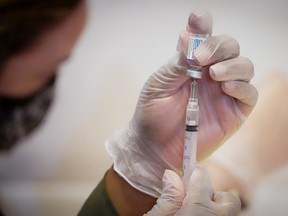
[(193, 93)]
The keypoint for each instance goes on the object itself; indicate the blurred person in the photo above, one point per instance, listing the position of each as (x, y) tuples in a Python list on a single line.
[(257, 151), (147, 158)]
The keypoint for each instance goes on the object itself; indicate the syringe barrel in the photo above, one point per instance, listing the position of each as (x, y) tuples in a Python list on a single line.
[(190, 141), (192, 113), (189, 157)]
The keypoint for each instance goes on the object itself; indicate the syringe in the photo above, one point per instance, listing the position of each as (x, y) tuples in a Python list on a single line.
[(190, 142), (192, 112)]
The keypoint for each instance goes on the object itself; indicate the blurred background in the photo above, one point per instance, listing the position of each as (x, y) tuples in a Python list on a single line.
[(54, 170)]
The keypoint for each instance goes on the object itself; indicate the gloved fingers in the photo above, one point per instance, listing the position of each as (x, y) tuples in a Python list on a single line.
[(171, 198), (245, 93), (182, 43), (216, 49), (172, 186), (200, 22), (200, 199), (226, 203), (169, 78), (233, 69), (200, 187)]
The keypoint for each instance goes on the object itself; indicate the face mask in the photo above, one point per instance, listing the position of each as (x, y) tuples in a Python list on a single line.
[(18, 118)]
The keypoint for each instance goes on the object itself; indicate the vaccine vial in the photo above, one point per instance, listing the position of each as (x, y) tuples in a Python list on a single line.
[(194, 41)]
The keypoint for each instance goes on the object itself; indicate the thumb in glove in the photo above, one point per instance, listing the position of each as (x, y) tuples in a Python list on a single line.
[(199, 199), (202, 200), (171, 197)]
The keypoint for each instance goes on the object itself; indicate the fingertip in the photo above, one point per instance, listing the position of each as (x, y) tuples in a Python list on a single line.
[(172, 182), (182, 42), (229, 201), (200, 21), (200, 182), (199, 175), (212, 73), (219, 72), (199, 171), (171, 197), (169, 174)]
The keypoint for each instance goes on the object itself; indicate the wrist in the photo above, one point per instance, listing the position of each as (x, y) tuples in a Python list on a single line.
[(136, 162), (126, 199)]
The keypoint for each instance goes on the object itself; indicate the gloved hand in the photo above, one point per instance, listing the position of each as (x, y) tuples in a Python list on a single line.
[(200, 199), (153, 140)]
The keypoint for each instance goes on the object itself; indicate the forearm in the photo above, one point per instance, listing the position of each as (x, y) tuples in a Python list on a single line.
[(126, 199), (259, 147)]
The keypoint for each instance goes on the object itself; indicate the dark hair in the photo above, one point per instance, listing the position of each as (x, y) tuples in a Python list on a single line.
[(21, 21)]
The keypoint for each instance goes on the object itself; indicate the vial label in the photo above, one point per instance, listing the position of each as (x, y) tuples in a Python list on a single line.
[(194, 42)]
